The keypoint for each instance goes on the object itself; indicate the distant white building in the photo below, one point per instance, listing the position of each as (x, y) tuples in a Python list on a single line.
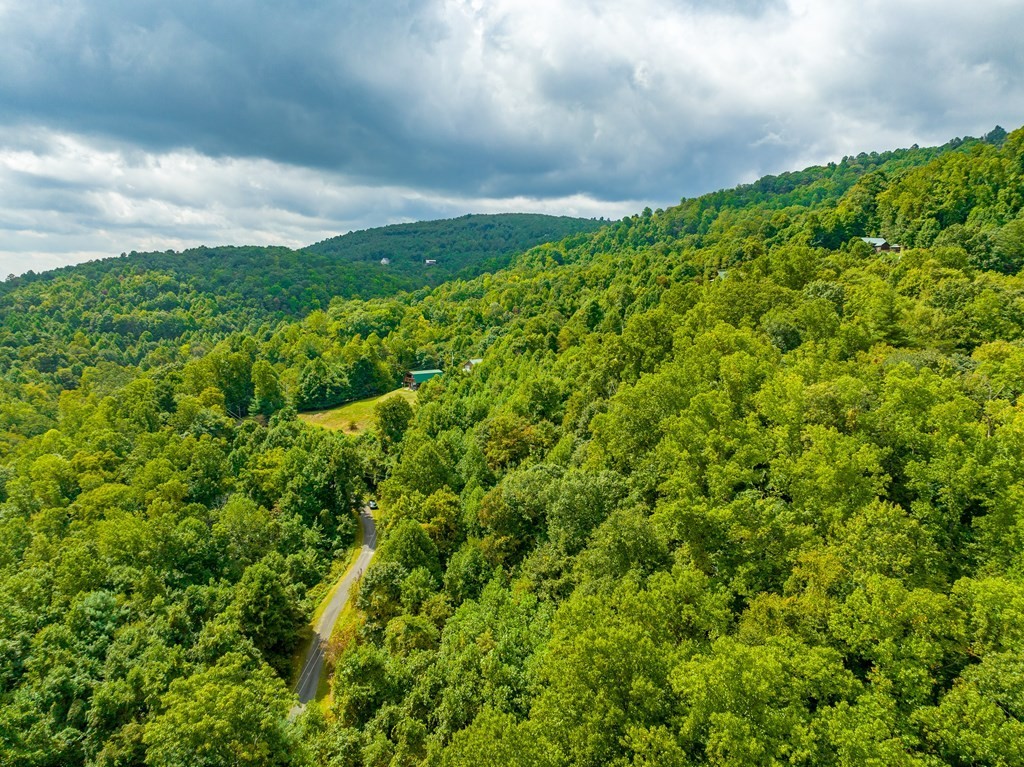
[(430, 261), (385, 261)]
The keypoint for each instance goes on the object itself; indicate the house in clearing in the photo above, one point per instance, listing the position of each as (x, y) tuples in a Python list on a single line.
[(413, 378), (880, 244)]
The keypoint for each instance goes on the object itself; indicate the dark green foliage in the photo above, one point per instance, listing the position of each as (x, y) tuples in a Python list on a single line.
[(728, 488), (461, 247), (467, 573), (145, 585), (268, 396), (755, 500), (392, 417), (409, 546), (267, 610), (232, 713), (321, 386), (141, 307)]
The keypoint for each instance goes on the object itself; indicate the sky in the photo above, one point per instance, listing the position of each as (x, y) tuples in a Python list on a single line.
[(141, 125)]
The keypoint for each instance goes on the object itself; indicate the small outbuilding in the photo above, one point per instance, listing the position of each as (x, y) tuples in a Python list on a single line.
[(413, 378), (430, 262), (469, 364), (385, 261)]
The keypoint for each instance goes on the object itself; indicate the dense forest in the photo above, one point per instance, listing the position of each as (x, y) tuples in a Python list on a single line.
[(139, 309), (461, 247), (729, 487)]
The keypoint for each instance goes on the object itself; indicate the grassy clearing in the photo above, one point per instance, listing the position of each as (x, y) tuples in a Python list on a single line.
[(354, 417)]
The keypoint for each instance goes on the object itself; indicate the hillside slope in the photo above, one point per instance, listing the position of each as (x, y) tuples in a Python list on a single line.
[(462, 247), (146, 305), (729, 487)]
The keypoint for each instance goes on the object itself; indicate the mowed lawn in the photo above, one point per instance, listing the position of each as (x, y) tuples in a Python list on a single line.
[(353, 417)]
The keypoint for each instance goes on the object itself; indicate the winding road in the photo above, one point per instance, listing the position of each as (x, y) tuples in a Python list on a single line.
[(313, 665)]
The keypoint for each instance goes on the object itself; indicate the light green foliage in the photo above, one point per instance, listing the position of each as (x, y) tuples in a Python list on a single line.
[(266, 609), (499, 740), (409, 546), (467, 572), (392, 417), (980, 720), (232, 713), (268, 396), (730, 488), (754, 705), (134, 557)]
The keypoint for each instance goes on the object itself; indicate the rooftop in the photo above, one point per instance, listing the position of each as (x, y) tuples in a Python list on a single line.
[(419, 376)]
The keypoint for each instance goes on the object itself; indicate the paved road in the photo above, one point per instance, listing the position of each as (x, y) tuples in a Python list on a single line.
[(313, 666)]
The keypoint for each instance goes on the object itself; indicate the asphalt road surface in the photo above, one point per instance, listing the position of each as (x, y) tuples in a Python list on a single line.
[(313, 666)]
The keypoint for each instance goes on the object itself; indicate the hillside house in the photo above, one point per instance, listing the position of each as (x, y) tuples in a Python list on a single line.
[(430, 262), (880, 244), (385, 261), (413, 378), (468, 365)]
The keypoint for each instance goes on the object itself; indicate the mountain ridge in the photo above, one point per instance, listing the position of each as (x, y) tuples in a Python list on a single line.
[(728, 486)]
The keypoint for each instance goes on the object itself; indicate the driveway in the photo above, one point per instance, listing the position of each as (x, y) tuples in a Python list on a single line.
[(313, 665)]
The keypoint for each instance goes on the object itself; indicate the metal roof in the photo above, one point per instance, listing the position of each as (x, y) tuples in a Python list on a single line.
[(876, 241), (419, 376)]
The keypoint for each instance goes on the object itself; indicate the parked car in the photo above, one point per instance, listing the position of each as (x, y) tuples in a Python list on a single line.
[(373, 504)]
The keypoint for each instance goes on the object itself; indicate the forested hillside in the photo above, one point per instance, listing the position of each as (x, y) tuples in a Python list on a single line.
[(462, 247), (729, 487), (140, 308)]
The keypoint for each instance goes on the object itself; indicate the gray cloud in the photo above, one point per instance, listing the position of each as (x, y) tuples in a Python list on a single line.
[(64, 200), (459, 103)]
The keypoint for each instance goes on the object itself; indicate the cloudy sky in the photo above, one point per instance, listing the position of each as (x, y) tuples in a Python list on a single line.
[(139, 125)]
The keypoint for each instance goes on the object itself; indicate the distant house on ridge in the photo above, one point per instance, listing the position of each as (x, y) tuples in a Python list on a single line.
[(880, 244), (413, 378)]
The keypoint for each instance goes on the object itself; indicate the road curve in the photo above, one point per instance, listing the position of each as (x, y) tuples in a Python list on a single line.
[(313, 665)]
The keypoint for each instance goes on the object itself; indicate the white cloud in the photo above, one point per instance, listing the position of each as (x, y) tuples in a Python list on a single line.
[(135, 121), (66, 200)]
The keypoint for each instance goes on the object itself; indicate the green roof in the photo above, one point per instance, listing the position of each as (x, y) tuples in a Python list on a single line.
[(419, 376)]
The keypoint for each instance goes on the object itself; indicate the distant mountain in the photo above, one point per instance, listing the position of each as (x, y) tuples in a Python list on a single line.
[(141, 300), (730, 485), (462, 247), (278, 279)]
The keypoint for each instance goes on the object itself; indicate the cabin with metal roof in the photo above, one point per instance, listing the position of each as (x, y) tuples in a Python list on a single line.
[(468, 365), (413, 378), (880, 244)]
